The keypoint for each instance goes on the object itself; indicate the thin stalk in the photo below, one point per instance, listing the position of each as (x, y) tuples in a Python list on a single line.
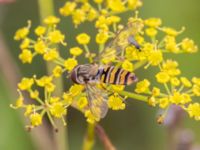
[(134, 96), (46, 8), (89, 140)]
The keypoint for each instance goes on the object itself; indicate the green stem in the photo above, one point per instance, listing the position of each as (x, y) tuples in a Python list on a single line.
[(134, 96), (88, 142), (46, 8), (139, 64)]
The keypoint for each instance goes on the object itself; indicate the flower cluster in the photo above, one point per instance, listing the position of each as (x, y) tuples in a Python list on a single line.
[(105, 18)]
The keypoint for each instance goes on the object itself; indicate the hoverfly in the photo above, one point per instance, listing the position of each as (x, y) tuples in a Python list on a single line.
[(91, 75)]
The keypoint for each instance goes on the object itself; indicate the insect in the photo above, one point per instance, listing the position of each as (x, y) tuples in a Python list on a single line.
[(91, 75)]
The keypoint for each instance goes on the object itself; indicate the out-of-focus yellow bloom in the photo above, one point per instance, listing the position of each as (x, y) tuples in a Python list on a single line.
[(29, 110), (51, 20), (116, 5), (152, 32), (34, 94), (40, 30), (178, 98), (127, 65), (175, 81), (170, 67), (68, 8), (102, 37), (70, 63), (25, 43), (155, 91), (76, 89), (186, 82), (163, 102), (155, 57), (162, 77), (83, 38), (22, 32), (82, 102), (153, 22), (118, 87), (26, 83), (35, 119), (152, 101), (189, 46), (90, 117), (44, 80), (57, 71), (142, 86), (78, 16), (26, 56), (194, 111), (196, 90), (76, 51)]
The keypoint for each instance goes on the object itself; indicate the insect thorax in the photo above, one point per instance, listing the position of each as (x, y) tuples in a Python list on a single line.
[(86, 73)]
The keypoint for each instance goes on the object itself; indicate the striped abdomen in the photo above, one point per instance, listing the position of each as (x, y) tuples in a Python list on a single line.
[(118, 76)]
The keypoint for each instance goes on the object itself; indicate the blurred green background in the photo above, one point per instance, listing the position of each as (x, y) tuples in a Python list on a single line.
[(132, 129)]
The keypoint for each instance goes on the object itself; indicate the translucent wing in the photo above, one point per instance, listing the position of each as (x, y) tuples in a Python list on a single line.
[(123, 39), (97, 101)]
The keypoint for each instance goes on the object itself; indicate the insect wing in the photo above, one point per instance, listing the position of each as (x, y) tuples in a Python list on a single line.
[(97, 99)]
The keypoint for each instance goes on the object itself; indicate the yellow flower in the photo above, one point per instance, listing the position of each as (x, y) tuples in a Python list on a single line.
[(76, 51), (36, 119), (70, 63), (142, 86), (196, 90), (29, 109), (170, 67), (117, 88), (54, 99), (26, 56), (51, 20), (102, 37), (152, 32), (92, 14), (40, 47), (189, 46), (56, 36), (116, 103), (170, 31), (58, 110), (155, 91), (163, 102), (67, 98), (178, 98), (98, 1), (57, 71), (83, 38), (76, 89), (22, 32), (127, 65), (34, 94), (44, 81), (26, 83), (186, 82), (155, 57), (67, 9), (25, 43), (50, 87), (153, 22), (116, 5), (133, 4), (90, 117), (19, 102), (78, 16), (82, 102), (40, 30), (113, 19), (170, 44), (50, 55), (152, 101), (162, 77), (194, 110), (196, 81), (175, 81)]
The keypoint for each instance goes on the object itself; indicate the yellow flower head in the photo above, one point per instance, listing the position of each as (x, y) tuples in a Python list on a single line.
[(29, 109), (70, 63), (51, 20), (40, 47), (194, 111), (186, 82), (76, 51), (196, 90), (58, 110), (50, 55), (116, 5), (90, 117), (44, 81), (22, 32), (40, 30), (115, 102), (35, 119), (102, 37), (83, 38), (82, 102), (68, 8), (57, 71), (76, 89), (164, 102), (189, 46), (118, 88), (26, 56), (162, 77), (78, 16), (175, 81), (151, 32), (127, 65), (25, 43), (26, 83), (153, 22), (155, 91), (155, 57), (19, 102), (142, 86), (34, 94), (56, 37)]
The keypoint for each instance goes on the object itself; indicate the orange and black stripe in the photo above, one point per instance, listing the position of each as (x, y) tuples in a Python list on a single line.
[(118, 76)]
